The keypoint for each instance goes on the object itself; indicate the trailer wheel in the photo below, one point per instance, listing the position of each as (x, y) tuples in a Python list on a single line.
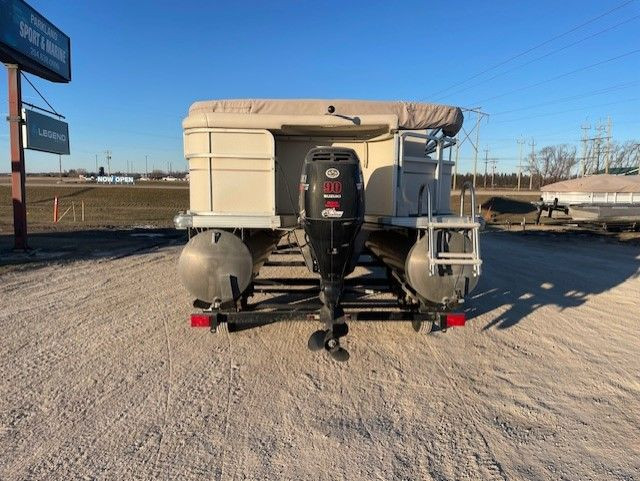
[(422, 327), (219, 324), (222, 328)]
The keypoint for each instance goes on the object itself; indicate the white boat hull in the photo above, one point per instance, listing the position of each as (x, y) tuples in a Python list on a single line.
[(605, 213)]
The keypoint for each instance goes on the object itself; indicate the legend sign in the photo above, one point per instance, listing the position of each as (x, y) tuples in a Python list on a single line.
[(31, 41), (44, 133)]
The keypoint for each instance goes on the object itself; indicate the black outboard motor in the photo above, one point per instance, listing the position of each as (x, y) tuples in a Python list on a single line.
[(331, 214)]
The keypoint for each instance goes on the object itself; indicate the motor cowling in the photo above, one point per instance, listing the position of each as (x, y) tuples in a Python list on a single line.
[(331, 214)]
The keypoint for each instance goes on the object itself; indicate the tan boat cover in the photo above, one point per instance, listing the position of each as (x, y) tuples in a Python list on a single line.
[(411, 115), (597, 183)]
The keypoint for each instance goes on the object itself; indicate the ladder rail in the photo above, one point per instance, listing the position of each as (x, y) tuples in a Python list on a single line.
[(472, 192), (471, 224), (431, 227), (475, 235)]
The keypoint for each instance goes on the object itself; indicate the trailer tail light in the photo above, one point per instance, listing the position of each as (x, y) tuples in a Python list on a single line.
[(200, 320), (456, 319)]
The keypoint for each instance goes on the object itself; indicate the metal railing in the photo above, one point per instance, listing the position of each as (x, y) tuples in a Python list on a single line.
[(463, 224)]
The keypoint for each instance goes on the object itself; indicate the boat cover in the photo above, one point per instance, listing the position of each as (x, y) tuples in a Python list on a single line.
[(411, 115), (597, 183)]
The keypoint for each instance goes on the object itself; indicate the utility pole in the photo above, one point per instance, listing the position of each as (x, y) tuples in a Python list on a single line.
[(467, 136), (585, 139), (96, 164), (493, 170), (486, 163), (521, 143), (108, 155), (598, 141), (455, 165), (146, 166), (533, 163), (608, 157), (475, 148)]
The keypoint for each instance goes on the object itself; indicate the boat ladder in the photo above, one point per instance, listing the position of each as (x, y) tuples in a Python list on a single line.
[(469, 225)]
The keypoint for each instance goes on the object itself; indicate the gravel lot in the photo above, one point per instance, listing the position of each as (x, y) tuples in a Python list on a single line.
[(103, 379)]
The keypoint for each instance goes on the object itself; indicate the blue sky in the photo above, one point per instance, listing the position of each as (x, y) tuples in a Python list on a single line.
[(138, 65)]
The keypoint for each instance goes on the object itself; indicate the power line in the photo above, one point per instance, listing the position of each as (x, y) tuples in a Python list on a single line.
[(605, 90), (467, 136), (542, 82), (542, 44), (540, 58), (577, 109)]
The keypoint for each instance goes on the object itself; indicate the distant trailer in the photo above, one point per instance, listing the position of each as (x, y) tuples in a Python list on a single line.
[(603, 199)]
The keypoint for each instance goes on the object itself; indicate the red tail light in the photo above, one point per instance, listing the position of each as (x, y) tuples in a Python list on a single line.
[(456, 319), (200, 320)]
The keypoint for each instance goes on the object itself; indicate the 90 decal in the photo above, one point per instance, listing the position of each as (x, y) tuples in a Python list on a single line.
[(332, 187)]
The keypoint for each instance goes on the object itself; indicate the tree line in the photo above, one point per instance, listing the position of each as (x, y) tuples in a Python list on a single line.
[(554, 163), (559, 162)]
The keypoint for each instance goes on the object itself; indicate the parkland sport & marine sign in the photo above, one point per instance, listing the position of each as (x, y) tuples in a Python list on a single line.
[(31, 41), (44, 133)]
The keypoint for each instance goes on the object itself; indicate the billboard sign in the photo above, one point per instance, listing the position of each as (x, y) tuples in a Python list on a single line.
[(31, 41), (44, 133)]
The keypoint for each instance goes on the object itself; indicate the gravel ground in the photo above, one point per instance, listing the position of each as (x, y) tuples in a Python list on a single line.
[(103, 379)]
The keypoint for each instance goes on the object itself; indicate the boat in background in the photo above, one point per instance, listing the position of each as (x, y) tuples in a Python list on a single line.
[(605, 199)]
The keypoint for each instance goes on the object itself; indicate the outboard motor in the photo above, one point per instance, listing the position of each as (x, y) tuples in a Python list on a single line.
[(331, 214)]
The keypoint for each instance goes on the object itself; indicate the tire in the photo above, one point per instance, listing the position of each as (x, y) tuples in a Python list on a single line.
[(222, 328)]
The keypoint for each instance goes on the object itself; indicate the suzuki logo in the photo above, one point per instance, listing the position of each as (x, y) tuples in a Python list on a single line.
[(332, 173)]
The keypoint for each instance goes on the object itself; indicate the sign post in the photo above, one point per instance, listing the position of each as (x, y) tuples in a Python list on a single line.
[(30, 43), (17, 159)]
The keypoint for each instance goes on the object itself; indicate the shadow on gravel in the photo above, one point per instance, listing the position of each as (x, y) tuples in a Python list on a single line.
[(69, 246), (523, 272)]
